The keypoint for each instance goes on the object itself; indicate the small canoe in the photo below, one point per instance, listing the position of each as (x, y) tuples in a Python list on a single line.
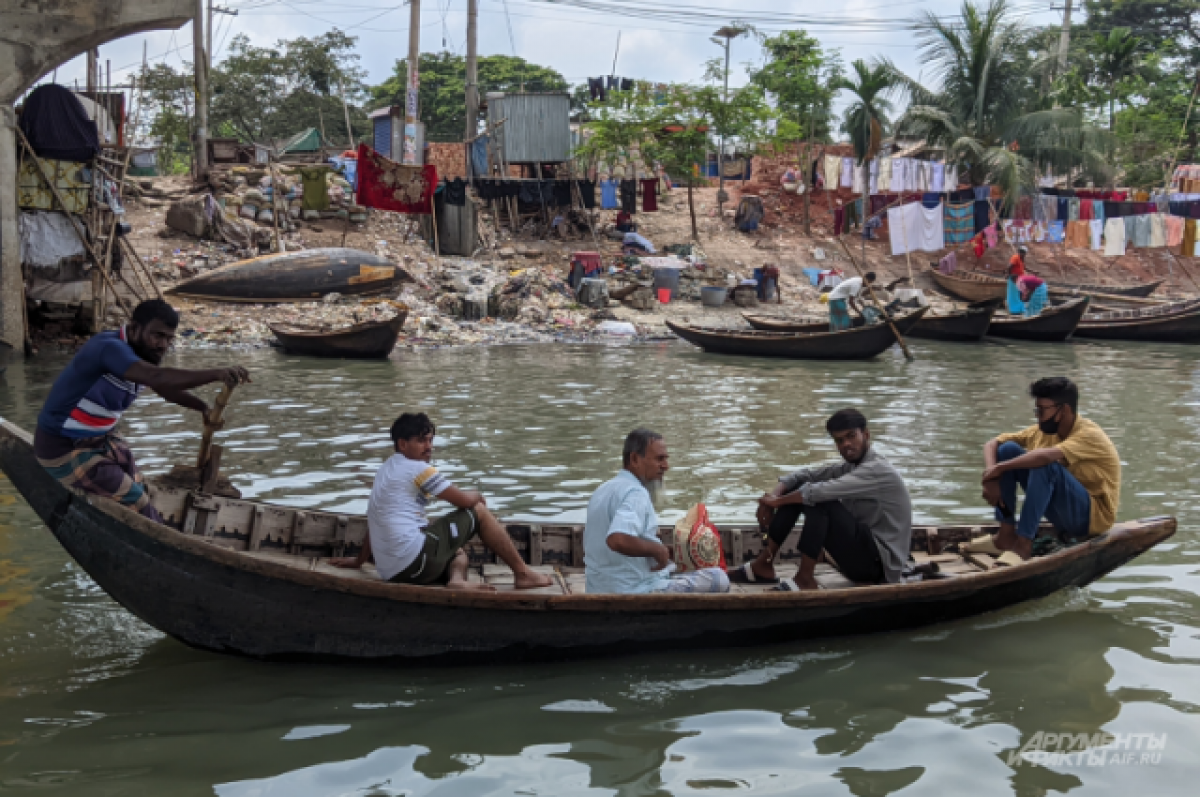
[(860, 343), (774, 323), (1166, 323), (296, 277), (245, 577), (369, 340), (1055, 323), (974, 286), (960, 326)]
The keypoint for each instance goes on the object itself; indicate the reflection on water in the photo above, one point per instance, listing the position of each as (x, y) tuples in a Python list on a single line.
[(94, 702)]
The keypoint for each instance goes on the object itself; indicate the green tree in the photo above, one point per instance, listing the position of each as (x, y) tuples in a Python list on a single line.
[(866, 118), (1118, 54), (799, 76), (167, 97), (442, 93)]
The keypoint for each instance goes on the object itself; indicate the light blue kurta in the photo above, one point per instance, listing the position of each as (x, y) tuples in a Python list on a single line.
[(620, 506)]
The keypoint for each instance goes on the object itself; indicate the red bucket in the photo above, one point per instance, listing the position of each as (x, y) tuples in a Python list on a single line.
[(664, 295)]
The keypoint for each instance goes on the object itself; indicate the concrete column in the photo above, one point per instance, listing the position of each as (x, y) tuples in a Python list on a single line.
[(12, 286)]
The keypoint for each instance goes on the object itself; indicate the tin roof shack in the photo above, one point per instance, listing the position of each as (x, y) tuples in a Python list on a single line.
[(536, 127)]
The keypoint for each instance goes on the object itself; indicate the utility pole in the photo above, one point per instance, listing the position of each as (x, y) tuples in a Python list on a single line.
[(410, 155), (1064, 41), (92, 54), (807, 166), (728, 33), (200, 66), (472, 75)]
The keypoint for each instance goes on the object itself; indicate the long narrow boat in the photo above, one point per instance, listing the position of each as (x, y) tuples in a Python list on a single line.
[(974, 286), (251, 578), (1055, 323), (959, 326), (1167, 323), (859, 343), (368, 340), (296, 277)]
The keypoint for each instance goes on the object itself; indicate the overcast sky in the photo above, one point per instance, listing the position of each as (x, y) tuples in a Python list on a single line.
[(578, 43)]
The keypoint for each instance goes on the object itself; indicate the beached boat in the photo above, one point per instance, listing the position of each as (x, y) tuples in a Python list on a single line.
[(296, 277), (246, 577), (976, 287), (1166, 323), (859, 343), (1055, 323), (369, 340), (961, 326), (775, 323)]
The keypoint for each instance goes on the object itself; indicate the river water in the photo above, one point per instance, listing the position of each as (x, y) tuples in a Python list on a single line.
[(93, 702)]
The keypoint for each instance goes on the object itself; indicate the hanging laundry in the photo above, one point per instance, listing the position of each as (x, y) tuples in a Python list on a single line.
[(650, 195), (1158, 230), (1079, 235), (629, 196), (1174, 226), (847, 179), (1085, 210), (1137, 231), (608, 194), (1096, 230), (959, 223), (1056, 232), (899, 175), (873, 188), (1073, 209), (951, 178), (1049, 207), (1188, 242), (856, 180), (991, 235), (1114, 237), (983, 215), (387, 185), (884, 183), (833, 172), (938, 182)]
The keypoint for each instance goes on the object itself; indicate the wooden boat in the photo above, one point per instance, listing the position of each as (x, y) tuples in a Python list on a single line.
[(296, 277), (974, 286), (372, 339), (251, 578), (774, 323), (1166, 323), (969, 324), (859, 343), (1055, 323)]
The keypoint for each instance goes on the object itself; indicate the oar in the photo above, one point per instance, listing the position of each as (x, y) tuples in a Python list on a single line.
[(214, 422), (871, 293)]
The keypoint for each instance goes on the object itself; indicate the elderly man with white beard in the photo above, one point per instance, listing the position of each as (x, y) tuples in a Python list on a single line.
[(622, 552)]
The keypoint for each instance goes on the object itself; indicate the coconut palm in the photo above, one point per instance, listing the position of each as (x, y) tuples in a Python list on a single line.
[(981, 112), (1118, 54), (867, 115)]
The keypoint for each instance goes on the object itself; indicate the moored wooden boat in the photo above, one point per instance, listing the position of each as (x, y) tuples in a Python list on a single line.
[(859, 343), (368, 340), (296, 277), (961, 326), (774, 323), (974, 286), (1167, 323), (246, 577), (1055, 323)]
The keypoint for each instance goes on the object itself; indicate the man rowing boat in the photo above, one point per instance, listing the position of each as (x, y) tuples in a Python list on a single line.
[(76, 438)]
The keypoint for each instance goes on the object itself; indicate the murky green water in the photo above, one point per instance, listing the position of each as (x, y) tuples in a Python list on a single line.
[(93, 702)]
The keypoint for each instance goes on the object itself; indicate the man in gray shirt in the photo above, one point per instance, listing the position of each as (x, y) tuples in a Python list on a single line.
[(858, 510)]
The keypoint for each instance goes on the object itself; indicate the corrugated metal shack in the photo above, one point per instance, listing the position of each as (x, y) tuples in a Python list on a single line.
[(536, 129)]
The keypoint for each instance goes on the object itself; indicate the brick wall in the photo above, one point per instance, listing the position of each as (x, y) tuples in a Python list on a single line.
[(450, 159)]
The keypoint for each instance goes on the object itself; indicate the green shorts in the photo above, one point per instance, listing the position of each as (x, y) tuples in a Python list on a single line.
[(444, 538)]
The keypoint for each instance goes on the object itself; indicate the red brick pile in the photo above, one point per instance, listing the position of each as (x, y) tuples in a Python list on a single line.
[(786, 210)]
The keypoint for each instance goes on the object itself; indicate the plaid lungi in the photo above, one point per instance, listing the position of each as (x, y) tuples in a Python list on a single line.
[(839, 315), (101, 466)]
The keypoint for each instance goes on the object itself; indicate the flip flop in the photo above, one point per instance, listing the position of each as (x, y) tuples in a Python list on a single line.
[(1009, 559), (982, 545), (745, 575), (788, 585)]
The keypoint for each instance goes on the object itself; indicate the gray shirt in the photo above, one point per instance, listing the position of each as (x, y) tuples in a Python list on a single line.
[(874, 493)]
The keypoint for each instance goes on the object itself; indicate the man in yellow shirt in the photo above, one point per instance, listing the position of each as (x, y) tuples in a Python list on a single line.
[(1067, 466)]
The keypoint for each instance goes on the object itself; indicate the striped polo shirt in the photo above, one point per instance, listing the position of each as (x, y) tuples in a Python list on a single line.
[(91, 394)]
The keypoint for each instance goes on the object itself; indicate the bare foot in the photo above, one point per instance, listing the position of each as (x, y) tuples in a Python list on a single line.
[(531, 580), (1006, 538), (806, 582), (470, 586), (763, 570)]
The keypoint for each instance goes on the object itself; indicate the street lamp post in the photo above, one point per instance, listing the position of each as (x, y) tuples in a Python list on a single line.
[(723, 37)]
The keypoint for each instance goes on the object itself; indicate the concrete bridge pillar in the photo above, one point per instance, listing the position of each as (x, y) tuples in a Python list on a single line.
[(35, 37)]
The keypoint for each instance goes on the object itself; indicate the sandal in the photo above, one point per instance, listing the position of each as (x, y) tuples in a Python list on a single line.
[(745, 575), (1009, 559), (982, 545)]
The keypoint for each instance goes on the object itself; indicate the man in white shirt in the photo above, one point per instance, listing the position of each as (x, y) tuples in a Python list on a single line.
[(407, 548), (622, 553), (844, 296)]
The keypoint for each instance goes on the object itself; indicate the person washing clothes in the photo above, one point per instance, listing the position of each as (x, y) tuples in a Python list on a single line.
[(1016, 270)]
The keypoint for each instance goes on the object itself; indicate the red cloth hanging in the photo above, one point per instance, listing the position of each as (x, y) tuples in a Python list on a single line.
[(387, 185), (1086, 212), (650, 195)]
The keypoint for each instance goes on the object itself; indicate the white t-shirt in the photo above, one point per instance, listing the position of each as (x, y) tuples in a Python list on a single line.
[(396, 513), (846, 289)]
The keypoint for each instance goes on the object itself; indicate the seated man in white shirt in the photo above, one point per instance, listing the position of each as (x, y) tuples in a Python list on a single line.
[(408, 549), (622, 551)]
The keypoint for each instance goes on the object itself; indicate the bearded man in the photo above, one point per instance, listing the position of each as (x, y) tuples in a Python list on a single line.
[(76, 438), (622, 551)]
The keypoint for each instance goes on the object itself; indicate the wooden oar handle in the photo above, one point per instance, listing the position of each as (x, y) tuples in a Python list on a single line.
[(213, 423)]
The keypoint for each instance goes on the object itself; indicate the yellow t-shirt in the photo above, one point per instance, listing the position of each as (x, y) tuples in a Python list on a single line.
[(1091, 458)]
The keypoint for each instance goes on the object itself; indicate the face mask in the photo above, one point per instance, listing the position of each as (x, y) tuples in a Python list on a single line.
[(1049, 426)]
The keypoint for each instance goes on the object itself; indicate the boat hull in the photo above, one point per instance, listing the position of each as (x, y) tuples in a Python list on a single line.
[(859, 343), (296, 277), (1053, 325), (222, 600), (1155, 326), (963, 326), (977, 287), (373, 340)]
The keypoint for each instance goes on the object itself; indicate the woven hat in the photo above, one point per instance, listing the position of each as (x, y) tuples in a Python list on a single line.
[(697, 542)]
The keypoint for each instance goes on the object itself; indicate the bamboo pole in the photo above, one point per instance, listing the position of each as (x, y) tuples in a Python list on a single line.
[(875, 301), (149, 274), (437, 247)]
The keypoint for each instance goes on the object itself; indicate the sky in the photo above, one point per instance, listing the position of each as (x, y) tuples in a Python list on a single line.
[(669, 45)]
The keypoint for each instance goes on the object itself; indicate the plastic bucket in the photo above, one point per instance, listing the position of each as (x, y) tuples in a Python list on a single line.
[(713, 297), (664, 295), (667, 278)]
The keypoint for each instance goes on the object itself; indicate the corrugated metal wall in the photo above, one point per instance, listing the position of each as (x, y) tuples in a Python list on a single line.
[(383, 135), (538, 127)]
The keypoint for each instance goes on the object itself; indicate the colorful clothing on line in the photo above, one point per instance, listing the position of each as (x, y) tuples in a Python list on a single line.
[(991, 236), (1085, 210), (1079, 235), (959, 223), (1114, 237), (1055, 233), (1158, 230), (1174, 226), (101, 466), (1096, 229)]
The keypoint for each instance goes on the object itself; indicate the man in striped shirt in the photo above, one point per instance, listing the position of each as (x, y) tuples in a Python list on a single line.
[(76, 439)]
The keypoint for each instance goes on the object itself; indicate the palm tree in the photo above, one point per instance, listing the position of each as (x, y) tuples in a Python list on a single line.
[(867, 116), (1118, 55), (985, 111)]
